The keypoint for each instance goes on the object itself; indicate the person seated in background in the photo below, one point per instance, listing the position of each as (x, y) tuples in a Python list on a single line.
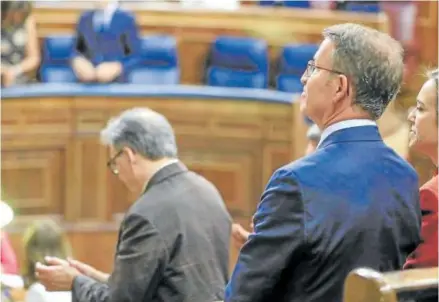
[(8, 258), (424, 139), (43, 238), (240, 234), (107, 44), (19, 43)]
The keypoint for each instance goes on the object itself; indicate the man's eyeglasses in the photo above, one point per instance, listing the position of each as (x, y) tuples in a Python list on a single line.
[(111, 164), (312, 67)]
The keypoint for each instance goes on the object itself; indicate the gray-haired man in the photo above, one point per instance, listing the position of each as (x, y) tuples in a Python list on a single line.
[(353, 202), (174, 240)]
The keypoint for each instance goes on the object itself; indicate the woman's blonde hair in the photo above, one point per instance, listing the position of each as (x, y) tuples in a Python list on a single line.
[(434, 75), (41, 239)]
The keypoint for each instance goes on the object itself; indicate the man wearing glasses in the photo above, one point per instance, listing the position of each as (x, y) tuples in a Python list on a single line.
[(351, 203), (174, 240)]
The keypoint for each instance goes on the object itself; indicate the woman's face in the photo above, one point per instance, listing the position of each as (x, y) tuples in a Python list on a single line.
[(423, 119)]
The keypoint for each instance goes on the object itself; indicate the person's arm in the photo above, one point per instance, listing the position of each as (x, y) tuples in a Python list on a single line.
[(426, 254), (82, 67), (89, 271), (131, 43), (277, 241), (33, 57), (8, 258), (139, 265)]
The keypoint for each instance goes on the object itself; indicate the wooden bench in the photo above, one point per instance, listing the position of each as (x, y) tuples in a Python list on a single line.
[(367, 285)]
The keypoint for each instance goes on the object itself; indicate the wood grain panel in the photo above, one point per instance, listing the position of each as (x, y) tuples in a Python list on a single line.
[(33, 180), (235, 144)]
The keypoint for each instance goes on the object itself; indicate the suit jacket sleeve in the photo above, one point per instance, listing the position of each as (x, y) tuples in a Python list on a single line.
[(276, 243), (79, 45), (139, 265), (132, 44)]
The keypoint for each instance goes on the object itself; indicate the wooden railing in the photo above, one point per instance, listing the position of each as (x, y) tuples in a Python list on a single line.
[(367, 285)]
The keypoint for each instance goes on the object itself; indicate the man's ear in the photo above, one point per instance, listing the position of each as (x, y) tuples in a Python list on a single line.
[(131, 154), (342, 89)]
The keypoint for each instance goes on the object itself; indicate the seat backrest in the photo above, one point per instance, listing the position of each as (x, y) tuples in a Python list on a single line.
[(363, 7), (270, 3), (159, 50), (294, 58), (58, 49), (297, 3), (367, 285), (240, 53)]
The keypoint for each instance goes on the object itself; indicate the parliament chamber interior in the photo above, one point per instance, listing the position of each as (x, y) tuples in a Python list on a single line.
[(228, 77)]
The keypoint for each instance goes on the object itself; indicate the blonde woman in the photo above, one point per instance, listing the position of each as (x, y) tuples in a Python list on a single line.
[(42, 239), (424, 140)]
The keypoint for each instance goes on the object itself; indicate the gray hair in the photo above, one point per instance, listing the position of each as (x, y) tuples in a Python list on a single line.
[(372, 60), (144, 131)]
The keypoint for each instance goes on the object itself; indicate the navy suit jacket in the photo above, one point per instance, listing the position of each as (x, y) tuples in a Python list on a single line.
[(119, 41), (352, 203)]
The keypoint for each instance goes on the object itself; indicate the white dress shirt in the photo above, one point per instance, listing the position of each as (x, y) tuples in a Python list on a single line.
[(344, 125), (102, 18)]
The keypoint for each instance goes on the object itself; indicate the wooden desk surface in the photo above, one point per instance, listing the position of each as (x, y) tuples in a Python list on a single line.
[(195, 29)]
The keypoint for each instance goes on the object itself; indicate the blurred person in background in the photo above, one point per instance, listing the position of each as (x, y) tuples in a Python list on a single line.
[(424, 140), (173, 241), (239, 233), (43, 239), (107, 44), (20, 51), (8, 263)]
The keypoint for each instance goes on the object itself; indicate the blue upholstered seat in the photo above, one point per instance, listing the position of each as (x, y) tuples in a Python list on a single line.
[(57, 52), (159, 64), (292, 64), (238, 62)]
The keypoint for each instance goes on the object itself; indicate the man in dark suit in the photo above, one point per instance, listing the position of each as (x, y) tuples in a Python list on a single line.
[(107, 44), (174, 240), (351, 203)]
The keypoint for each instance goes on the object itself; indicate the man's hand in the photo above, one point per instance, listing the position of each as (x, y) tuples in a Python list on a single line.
[(108, 71), (57, 276), (88, 270), (8, 76), (239, 234)]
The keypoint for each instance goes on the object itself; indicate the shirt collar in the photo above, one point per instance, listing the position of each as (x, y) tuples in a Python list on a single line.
[(104, 17), (173, 161), (344, 125)]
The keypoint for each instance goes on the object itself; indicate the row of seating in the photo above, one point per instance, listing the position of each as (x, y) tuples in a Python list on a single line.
[(351, 6), (232, 62), (59, 90)]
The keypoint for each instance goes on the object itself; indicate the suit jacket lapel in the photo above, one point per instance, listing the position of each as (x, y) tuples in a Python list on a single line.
[(353, 134)]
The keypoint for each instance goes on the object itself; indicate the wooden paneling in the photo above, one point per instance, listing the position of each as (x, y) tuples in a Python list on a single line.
[(54, 166), (195, 29), (427, 32)]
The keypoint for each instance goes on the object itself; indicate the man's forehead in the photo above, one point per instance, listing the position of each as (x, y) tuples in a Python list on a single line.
[(324, 53)]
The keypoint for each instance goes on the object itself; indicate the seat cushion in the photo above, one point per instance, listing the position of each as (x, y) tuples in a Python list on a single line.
[(219, 76), (289, 83), (149, 75), (57, 74)]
